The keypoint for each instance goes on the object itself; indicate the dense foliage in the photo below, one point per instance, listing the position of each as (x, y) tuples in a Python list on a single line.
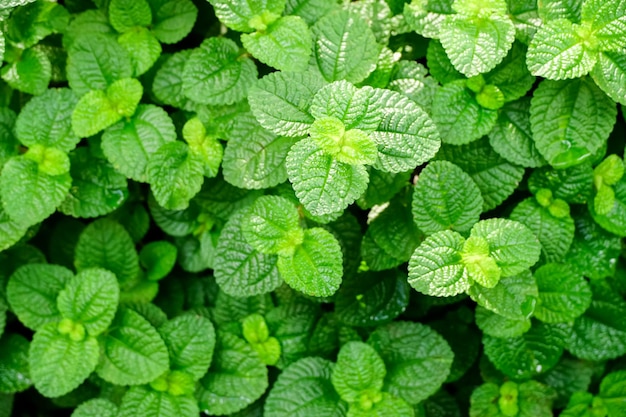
[(312, 208)]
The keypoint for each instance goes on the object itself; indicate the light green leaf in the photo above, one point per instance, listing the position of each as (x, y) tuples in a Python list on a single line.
[(142, 47), (609, 73), (237, 14), (476, 44), (316, 265), (559, 9), (158, 258), (310, 10), (406, 136), (272, 226), (559, 51), (240, 270), (95, 61), (167, 85), (10, 230), (97, 188), (90, 298), (359, 372), (435, 207), (130, 144), (511, 76), (97, 407), (426, 17), (133, 353), (304, 389), (32, 292), (613, 392), (124, 15), (198, 252), (496, 178), (563, 294), (527, 399), (29, 194), (356, 108), (45, 120), (237, 377), (493, 324), (607, 22), (344, 47), (31, 73), (106, 244), (59, 364), (172, 19), (436, 268), (439, 64), (203, 147), (281, 101), (512, 137), (14, 366), (513, 246), (352, 146), (412, 79), (175, 175), (459, 117), (190, 340), (388, 405), (285, 44), (588, 116), (322, 184), (216, 74), (417, 358), (573, 185), (143, 401), (513, 297), (614, 217)]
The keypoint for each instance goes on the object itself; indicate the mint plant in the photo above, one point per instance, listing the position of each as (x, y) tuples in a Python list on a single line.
[(409, 208)]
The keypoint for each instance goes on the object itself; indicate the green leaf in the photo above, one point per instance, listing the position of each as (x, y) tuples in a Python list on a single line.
[(45, 120), (563, 294), (97, 188), (513, 297), (436, 267), (436, 208), (97, 407), (426, 17), (197, 253), (614, 219), (304, 389), (32, 292), (356, 108), (142, 47), (323, 184), (496, 325), (29, 193), (281, 101), (124, 16), (439, 64), (560, 9), (554, 233), (204, 147), (511, 76), (567, 377), (106, 244), (359, 372), (496, 178), (130, 144), (9, 144), (172, 19), (512, 137), (14, 366), (513, 246), (190, 340), (588, 116), (607, 22), (310, 10), (31, 73), (133, 352), (240, 270), (94, 62), (344, 47), (609, 74), (236, 14), (167, 85), (234, 364), (412, 80), (143, 401), (10, 230), (158, 259), (388, 405), (476, 44), (523, 357), (406, 136), (59, 364), (216, 74), (599, 334), (573, 184), (459, 117), (612, 392), (417, 358), (351, 147), (371, 299), (285, 44), (559, 51), (175, 175), (529, 398)]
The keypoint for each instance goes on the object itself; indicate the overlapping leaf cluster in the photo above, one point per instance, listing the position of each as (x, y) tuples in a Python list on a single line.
[(312, 208)]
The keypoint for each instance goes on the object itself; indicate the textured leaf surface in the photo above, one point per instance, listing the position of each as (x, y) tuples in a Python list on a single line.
[(359, 371), (173, 19), (418, 359), (609, 73), (147, 402), (142, 47), (426, 17), (237, 14), (563, 294), (125, 15), (513, 297), (587, 116), (14, 366), (97, 407), (439, 203), (30, 74)]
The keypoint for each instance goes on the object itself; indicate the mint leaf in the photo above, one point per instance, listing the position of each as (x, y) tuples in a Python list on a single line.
[(148, 402), (344, 47), (14, 373), (97, 407), (215, 74), (167, 85), (426, 17), (143, 48), (435, 209), (359, 373), (158, 258), (352, 106), (236, 15), (240, 270), (567, 144), (496, 325), (612, 392), (563, 294), (30, 74), (388, 405), (573, 184), (352, 146), (609, 74), (607, 22), (58, 363), (315, 268), (124, 16), (133, 352), (172, 19), (514, 297)]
